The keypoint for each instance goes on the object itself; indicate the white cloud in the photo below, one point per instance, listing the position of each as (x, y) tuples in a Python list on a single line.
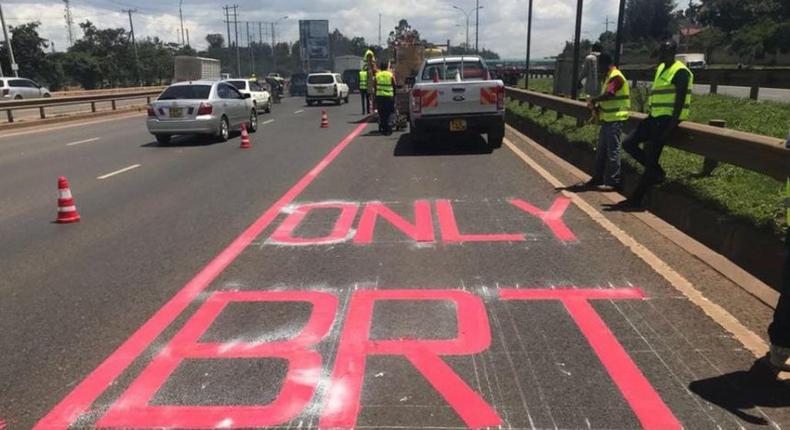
[(502, 22)]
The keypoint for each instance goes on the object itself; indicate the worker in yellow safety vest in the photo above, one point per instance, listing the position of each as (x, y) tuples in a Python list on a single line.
[(669, 103), (363, 91), (385, 97), (612, 107), (779, 330)]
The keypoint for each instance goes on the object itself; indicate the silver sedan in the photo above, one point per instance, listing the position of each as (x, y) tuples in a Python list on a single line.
[(200, 107)]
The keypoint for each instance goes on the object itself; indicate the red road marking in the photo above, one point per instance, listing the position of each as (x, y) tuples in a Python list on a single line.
[(342, 403), (647, 405), (2, 425), (79, 400), (420, 231), (132, 410), (451, 234), (285, 232), (552, 217)]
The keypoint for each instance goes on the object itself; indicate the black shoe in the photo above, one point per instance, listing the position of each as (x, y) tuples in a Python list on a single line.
[(627, 205)]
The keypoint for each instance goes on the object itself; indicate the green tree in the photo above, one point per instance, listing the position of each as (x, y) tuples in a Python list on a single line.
[(403, 33), (29, 51), (648, 19), (83, 68), (215, 41)]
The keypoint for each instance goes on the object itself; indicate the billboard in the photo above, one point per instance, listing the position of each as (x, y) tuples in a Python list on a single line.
[(314, 39)]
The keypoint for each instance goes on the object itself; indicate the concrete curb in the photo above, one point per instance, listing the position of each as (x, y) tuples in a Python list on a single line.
[(758, 252)]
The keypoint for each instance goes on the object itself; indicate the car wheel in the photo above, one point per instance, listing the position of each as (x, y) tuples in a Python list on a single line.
[(224, 130), (253, 125), (269, 106), (309, 102), (18, 97), (47, 95), (163, 139), (339, 101), (346, 99), (495, 138), (415, 135)]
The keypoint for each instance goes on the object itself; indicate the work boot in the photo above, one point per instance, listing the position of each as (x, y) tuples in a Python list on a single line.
[(778, 357)]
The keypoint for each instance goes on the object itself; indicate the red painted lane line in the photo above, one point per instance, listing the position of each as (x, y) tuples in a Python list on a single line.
[(82, 397), (649, 408)]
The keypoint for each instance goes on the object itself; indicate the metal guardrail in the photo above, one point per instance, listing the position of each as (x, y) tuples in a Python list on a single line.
[(758, 153), (754, 79), (102, 91), (43, 103)]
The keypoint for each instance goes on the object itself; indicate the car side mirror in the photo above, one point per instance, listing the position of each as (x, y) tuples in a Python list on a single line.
[(247, 95)]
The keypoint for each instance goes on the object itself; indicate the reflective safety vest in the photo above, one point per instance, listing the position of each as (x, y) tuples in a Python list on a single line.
[(384, 84), (662, 95), (363, 80), (615, 109), (369, 53)]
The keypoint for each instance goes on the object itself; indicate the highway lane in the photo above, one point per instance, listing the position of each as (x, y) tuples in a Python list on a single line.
[(464, 235)]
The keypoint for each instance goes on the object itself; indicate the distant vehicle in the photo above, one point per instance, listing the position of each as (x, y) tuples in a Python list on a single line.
[(351, 78), (225, 76), (455, 95), (346, 62), (188, 68), (200, 107), (692, 60), (298, 86), (326, 86), (260, 97), (20, 88)]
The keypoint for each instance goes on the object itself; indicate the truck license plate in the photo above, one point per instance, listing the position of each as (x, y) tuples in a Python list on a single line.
[(458, 125), (176, 112)]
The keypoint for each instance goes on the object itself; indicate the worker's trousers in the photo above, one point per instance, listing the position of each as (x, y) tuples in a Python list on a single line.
[(651, 131), (386, 107), (779, 330), (365, 102), (607, 156)]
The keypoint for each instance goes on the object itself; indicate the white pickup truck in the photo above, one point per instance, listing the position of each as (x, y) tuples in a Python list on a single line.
[(456, 95)]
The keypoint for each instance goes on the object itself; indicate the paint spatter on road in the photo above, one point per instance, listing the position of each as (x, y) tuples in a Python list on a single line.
[(2, 424)]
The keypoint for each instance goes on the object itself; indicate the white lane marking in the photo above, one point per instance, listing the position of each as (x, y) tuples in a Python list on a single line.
[(268, 121), (118, 172), (299, 111), (748, 338), (83, 141)]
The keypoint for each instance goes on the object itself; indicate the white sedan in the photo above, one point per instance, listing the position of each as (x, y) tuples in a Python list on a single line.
[(261, 98)]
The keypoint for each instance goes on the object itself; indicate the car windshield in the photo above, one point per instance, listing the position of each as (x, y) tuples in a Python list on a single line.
[(241, 85), (320, 79), (451, 70), (190, 92)]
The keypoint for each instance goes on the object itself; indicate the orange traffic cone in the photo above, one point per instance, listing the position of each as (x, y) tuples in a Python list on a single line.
[(245, 138), (67, 211), (324, 119)]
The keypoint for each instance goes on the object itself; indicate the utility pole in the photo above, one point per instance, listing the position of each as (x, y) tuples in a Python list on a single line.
[(236, 30), (227, 21), (477, 23), (14, 66), (134, 44), (467, 14), (576, 47), (249, 46), (607, 23), (188, 44), (379, 30), (69, 22), (274, 51), (529, 44), (618, 40), (181, 17)]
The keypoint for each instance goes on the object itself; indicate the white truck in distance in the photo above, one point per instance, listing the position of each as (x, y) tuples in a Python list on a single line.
[(196, 69), (456, 95)]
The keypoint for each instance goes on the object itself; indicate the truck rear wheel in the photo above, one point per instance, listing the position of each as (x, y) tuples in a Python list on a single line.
[(495, 137)]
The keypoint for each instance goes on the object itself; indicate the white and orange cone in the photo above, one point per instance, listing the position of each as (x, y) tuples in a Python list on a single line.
[(245, 138), (67, 210), (324, 119)]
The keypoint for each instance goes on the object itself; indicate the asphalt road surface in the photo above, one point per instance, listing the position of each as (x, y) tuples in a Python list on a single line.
[(339, 278)]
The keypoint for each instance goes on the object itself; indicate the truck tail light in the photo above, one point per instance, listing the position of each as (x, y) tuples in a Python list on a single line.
[(205, 109), (151, 112), (500, 97), (417, 95)]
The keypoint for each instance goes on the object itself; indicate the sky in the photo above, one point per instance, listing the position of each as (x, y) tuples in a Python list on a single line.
[(503, 23)]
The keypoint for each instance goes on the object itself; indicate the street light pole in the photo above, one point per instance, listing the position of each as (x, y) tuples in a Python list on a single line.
[(529, 44), (181, 17), (576, 47), (477, 24), (467, 14), (14, 66), (618, 40)]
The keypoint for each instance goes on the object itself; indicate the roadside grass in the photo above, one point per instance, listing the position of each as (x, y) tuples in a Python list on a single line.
[(750, 196)]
